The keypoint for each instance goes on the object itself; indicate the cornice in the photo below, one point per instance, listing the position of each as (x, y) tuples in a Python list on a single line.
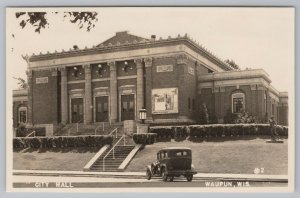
[(135, 45)]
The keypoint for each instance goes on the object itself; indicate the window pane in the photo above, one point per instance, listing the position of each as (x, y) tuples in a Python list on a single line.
[(75, 108), (105, 107), (23, 116), (99, 108), (80, 109), (131, 106), (125, 107)]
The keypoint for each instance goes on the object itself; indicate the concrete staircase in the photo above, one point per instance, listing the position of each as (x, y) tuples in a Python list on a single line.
[(113, 160)]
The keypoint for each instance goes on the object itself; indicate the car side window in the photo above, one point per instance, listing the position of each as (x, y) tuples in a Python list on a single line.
[(181, 153), (165, 154)]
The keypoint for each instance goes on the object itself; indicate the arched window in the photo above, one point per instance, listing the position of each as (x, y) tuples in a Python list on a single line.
[(238, 102), (22, 114)]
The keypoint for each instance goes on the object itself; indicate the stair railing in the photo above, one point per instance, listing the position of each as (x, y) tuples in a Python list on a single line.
[(76, 125), (101, 125), (112, 150), (32, 133), (114, 132)]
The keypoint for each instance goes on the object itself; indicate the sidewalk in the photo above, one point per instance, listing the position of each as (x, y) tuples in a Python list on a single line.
[(142, 175)]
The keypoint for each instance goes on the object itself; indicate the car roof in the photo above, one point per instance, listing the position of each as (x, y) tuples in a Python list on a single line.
[(174, 148)]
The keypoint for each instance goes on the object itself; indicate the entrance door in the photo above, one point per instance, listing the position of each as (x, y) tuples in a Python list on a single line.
[(102, 109), (77, 110), (127, 107)]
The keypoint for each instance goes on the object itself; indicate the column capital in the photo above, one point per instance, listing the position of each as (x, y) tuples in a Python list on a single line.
[(63, 70), (112, 65), (138, 62), (53, 72), (181, 59), (86, 66), (148, 62)]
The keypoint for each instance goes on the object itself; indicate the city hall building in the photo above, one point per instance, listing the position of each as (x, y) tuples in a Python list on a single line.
[(171, 78)]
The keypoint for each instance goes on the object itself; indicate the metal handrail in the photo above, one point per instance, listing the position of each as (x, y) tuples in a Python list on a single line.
[(113, 150), (33, 132), (114, 131), (103, 126), (77, 127)]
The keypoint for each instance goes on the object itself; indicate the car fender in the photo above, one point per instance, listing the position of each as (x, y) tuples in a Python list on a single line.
[(149, 167), (163, 166), (192, 167)]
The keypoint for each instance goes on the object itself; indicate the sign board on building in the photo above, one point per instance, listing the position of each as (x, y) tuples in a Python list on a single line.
[(164, 68), (165, 101), (41, 80)]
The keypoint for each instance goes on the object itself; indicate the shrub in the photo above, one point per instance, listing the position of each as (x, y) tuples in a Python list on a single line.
[(21, 130), (216, 130), (179, 133), (162, 132), (62, 141), (144, 138), (263, 129), (203, 115)]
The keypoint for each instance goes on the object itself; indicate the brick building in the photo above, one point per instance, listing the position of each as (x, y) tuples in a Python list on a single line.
[(170, 78)]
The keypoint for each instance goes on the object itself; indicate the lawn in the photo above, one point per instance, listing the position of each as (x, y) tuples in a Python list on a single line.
[(72, 159), (235, 156)]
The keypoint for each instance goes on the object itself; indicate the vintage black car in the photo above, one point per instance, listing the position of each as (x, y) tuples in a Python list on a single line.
[(172, 162)]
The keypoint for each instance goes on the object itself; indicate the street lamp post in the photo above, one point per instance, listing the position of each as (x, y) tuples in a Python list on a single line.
[(143, 115), (142, 127)]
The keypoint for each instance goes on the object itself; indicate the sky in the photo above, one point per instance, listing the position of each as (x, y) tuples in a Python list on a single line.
[(252, 37)]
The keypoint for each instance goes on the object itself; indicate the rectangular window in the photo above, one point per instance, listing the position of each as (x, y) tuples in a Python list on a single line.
[(189, 103), (273, 109), (238, 104)]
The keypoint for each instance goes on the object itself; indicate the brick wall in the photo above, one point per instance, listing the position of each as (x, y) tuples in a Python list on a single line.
[(45, 106)]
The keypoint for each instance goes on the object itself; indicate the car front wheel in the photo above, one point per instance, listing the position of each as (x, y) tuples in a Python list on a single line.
[(148, 174), (164, 174)]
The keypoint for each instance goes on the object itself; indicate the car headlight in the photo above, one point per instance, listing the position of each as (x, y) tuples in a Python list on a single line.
[(192, 167)]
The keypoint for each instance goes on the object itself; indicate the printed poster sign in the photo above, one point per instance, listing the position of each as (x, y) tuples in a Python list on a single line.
[(165, 101)]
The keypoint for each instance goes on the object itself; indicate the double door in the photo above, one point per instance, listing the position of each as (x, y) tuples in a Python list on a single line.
[(101, 109), (127, 107), (77, 110)]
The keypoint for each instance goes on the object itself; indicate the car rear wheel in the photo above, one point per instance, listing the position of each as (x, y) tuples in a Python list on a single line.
[(148, 174), (189, 178), (164, 174), (171, 179)]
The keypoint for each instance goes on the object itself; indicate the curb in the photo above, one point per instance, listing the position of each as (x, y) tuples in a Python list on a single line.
[(141, 175)]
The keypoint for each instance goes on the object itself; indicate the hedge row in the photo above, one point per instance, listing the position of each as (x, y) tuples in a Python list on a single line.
[(62, 141), (217, 130), (173, 132), (144, 138)]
